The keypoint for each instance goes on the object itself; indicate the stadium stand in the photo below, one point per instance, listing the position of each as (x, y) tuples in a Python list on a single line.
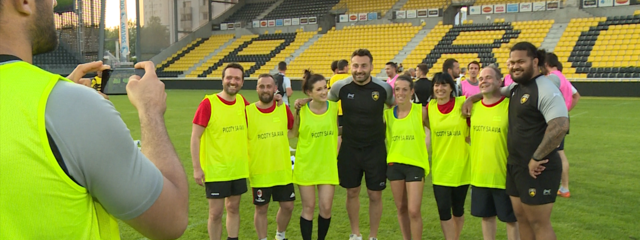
[(601, 47), (59, 57), (366, 6), (298, 8), (426, 45), (161, 69), (424, 4), (301, 38), (253, 53), (319, 56), (216, 58), (249, 11), (487, 43), (198, 53)]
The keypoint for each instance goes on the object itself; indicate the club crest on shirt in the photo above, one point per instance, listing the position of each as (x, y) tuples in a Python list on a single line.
[(532, 192), (524, 98), (375, 95)]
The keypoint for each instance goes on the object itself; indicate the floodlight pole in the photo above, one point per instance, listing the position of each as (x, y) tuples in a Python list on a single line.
[(138, 50), (103, 9)]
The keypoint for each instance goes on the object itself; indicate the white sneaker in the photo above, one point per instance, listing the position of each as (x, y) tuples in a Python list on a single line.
[(372, 238), (354, 237)]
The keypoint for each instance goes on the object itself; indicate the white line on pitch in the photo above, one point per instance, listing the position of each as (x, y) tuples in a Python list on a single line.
[(578, 114)]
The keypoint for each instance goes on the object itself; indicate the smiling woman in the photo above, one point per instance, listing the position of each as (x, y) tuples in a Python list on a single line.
[(112, 15)]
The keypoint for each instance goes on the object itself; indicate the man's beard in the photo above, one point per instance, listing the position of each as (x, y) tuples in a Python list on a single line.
[(230, 92), (367, 75), (266, 98), (527, 74), (43, 34)]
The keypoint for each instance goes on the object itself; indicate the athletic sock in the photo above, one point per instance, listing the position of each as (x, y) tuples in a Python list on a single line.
[(280, 235), (563, 190), (323, 227), (306, 226), (230, 238), (263, 239)]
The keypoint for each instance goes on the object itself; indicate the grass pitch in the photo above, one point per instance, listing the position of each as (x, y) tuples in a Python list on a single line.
[(602, 150)]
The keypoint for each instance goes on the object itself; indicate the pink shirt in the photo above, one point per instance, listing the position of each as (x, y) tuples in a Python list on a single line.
[(469, 89), (507, 80), (565, 88), (392, 82)]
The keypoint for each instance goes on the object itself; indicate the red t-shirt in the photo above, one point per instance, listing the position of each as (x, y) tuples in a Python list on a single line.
[(203, 114), (448, 107)]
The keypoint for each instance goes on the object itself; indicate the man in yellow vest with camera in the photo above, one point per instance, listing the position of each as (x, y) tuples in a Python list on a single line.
[(62, 178)]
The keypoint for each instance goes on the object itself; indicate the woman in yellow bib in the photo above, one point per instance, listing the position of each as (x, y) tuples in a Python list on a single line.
[(407, 157), (316, 126), (450, 154)]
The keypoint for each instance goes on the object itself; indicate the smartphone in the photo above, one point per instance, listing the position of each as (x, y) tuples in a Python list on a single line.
[(115, 82)]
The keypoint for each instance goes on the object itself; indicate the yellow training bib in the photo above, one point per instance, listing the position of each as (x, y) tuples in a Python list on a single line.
[(450, 152), (489, 127), (223, 147), (406, 138), (38, 200), (269, 157), (317, 152)]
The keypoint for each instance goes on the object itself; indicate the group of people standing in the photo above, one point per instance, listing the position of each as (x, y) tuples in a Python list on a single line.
[(499, 141)]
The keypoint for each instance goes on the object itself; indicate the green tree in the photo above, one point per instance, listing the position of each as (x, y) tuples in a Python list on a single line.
[(113, 34), (154, 39)]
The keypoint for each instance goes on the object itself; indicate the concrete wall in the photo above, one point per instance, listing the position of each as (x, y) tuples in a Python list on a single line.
[(228, 13)]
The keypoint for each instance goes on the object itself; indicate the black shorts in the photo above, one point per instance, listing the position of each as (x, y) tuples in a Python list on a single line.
[(561, 147), (450, 199), (370, 161), (283, 193), (340, 120), (225, 189), (408, 173), (491, 202), (539, 191)]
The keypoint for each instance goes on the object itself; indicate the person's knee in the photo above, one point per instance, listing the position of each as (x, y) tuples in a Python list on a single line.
[(325, 210), (286, 207), (233, 207), (375, 197), (458, 211), (402, 208), (353, 193), (308, 206), (262, 209), (415, 213), (215, 215)]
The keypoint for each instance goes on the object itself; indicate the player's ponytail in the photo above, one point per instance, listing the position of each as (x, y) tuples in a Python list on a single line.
[(309, 79)]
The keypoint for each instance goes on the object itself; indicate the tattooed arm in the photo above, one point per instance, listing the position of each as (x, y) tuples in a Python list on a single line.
[(556, 130), (551, 105)]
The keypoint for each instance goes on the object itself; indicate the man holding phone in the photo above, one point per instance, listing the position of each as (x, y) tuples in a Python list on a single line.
[(48, 125)]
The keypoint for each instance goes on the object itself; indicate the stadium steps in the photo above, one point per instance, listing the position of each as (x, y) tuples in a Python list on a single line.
[(204, 60), (552, 39), (268, 10), (180, 54), (303, 48), (397, 6), (415, 41)]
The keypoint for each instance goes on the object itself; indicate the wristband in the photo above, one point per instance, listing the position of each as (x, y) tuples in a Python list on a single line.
[(537, 160)]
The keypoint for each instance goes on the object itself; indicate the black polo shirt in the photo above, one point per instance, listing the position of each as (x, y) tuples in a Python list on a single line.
[(362, 110), (533, 104)]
